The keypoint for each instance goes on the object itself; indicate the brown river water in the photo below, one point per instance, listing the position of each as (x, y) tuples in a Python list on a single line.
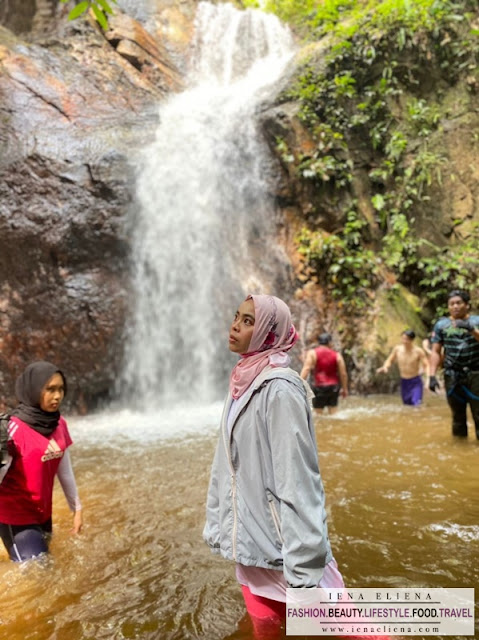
[(402, 498)]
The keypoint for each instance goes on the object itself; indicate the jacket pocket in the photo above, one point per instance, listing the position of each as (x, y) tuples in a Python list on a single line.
[(274, 514)]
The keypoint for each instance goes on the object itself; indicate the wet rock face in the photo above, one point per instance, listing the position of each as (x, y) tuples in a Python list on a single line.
[(319, 207), (63, 263), (74, 111)]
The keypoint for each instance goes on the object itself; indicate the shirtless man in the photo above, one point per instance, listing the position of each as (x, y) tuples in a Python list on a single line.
[(411, 362)]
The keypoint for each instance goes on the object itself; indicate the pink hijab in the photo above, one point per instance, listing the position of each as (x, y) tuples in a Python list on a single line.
[(273, 335)]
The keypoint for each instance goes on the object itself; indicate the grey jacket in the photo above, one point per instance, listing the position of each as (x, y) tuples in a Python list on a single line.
[(265, 504)]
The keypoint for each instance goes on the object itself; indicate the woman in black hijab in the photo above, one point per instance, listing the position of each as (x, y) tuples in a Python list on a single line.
[(38, 451)]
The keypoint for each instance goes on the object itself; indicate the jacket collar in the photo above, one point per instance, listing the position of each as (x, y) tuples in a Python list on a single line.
[(269, 373)]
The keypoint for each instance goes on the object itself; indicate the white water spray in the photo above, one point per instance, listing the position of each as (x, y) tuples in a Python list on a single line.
[(204, 222)]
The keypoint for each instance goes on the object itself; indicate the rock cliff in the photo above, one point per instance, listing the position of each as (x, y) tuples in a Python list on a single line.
[(376, 148), (376, 140), (75, 104)]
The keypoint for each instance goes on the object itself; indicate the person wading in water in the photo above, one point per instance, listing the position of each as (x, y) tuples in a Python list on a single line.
[(266, 505), (458, 335), (38, 451), (411, 361), (330, 377)]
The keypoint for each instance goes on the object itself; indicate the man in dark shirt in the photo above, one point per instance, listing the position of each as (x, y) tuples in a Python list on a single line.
[(459, 335)]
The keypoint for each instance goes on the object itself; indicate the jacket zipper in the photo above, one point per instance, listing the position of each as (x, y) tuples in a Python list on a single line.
[(276, 521), (232, 471), (233, 492)]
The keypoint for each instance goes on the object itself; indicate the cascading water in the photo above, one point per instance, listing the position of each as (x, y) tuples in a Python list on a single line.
[(204, 218)]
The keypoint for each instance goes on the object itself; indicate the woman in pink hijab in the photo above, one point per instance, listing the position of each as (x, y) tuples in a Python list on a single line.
[(265, 505)]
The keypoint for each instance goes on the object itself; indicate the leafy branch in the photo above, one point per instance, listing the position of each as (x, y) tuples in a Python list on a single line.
[(100, 8)]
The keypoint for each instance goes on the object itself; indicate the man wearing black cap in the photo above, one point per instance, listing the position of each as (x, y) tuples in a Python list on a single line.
[(459, 335), (329, 375)]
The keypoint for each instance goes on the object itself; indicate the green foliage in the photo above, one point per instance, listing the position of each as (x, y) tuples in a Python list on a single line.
[(345, 85), (400, 246), (445, 268), (403, 186), (340, 263), (324, 168), (327, 162), (283, 151), (355, 94), (395, 146), (345, 18), (100, 10), (370, 90), (305, 15), (424, 117)]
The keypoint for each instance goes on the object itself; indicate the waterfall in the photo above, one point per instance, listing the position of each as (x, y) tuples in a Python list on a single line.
[(204, 220)]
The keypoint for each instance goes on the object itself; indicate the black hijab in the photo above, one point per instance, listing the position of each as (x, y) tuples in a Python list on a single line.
[(28, 390)]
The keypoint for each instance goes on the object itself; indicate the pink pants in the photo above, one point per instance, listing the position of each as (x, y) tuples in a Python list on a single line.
[(268, 616)]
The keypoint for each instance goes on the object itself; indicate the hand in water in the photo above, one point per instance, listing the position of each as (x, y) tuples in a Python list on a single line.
[(434, 384), (77, 522)]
